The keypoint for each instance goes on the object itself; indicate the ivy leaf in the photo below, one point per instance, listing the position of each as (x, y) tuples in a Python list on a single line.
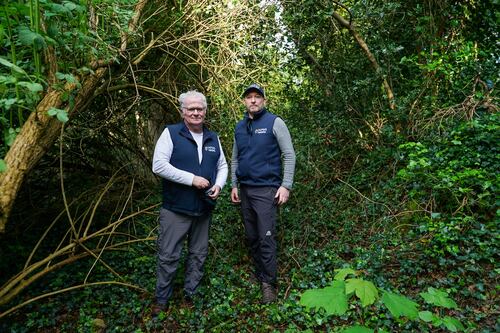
[(365, 290), (70, 78), (63, 116), (10, 65), (342, 273), (358, 329), (10, 135), (3, 165), (60, 114), (453, 324), (8, 102), (332, 298), (438, 298), (400, 305)]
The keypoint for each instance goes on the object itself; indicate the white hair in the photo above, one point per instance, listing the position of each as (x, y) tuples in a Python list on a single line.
[(192, 93)]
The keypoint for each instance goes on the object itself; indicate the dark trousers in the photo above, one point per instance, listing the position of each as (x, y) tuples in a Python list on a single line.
[(173, 230), (259, 211)]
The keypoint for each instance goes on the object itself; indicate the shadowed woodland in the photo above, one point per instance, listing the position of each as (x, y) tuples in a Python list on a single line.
[(392, 106)]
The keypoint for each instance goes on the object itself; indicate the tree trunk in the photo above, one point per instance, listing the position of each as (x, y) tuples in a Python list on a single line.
[(346, 24), (40, 130), (36, 137)]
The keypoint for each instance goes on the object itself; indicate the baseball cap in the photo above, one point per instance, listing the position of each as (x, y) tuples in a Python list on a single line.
[(254, 87)]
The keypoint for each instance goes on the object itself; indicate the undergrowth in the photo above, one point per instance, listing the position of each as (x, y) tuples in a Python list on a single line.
[(429, 223)]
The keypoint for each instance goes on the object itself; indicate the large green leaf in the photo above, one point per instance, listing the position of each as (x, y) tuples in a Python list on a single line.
[(400, 305), (358, 329), (333, 298), (365, 290), (439, 298), (453, 324), (342, 273)]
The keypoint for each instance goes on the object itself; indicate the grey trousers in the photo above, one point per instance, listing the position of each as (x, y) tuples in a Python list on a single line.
[(259, 211), (174, 228)]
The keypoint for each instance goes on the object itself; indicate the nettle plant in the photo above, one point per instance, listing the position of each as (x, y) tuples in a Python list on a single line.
[(335, 299)]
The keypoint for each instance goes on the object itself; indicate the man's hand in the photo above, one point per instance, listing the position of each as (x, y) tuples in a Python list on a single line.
[(215, 192), (282, 195), (200, 182), (235, 198)]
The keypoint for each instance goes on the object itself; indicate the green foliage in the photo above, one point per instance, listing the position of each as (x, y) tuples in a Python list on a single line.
[(364, 290), (358, 329), (400, 305), (330, 298), (409, 215), (68, 35), (438, 298), (333, 298), (61, 115), (455, 174)]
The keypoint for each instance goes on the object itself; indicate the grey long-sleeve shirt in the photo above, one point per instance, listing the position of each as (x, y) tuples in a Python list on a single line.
[(284, 139)]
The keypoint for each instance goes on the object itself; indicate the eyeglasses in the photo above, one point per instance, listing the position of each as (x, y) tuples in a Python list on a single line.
[(193, 110)]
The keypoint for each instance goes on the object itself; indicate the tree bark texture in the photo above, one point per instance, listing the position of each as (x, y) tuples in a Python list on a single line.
[(40, 131), (36, 137)]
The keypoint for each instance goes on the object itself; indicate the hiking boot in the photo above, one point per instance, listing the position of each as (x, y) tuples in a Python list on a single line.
[(189, 300), (268, 293), (157, 308)]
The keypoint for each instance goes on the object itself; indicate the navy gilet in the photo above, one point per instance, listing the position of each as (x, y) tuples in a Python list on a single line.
[(188, 199), (259, 155)]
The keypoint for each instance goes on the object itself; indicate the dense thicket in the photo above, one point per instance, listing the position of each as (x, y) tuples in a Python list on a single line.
[(402, 189)]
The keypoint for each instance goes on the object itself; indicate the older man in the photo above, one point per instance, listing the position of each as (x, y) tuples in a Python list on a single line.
[(261, 140), (189, 159)]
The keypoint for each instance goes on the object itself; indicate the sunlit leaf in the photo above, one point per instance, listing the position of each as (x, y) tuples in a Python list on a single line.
[(428, 316), (358, 329), (364, 290), (453, 324), (439, 298), (342, 273), (62, 116), (400, 305), (332, 298), (10, 135)]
